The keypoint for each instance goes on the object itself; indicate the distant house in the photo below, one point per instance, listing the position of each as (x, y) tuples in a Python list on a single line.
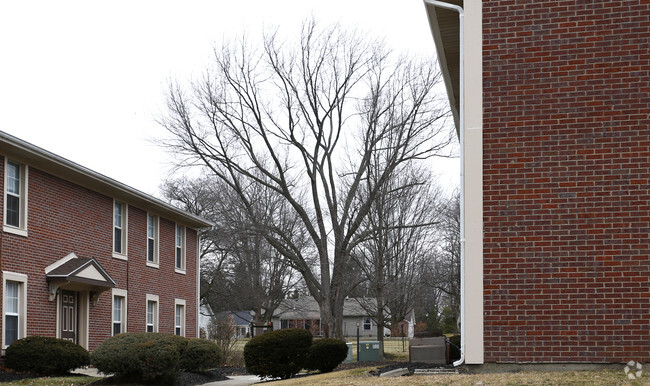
[(239, 320), (405, 327), (304, 312), (84, 257)]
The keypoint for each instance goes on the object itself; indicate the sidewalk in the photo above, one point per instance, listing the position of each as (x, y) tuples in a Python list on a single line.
[(237, 380)]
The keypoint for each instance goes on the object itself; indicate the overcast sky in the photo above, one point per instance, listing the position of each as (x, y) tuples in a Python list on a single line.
[(85, 79)]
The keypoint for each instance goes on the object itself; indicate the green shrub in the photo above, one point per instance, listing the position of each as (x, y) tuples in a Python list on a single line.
[(146, 357), (325, 354), (200, 354), (454, 348), (280, 353), (45, 356)]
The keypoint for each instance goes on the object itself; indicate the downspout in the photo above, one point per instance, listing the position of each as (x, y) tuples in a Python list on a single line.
[(461, 129)]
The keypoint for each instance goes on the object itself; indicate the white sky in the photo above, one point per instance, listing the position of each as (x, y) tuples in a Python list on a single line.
[(85, 79)]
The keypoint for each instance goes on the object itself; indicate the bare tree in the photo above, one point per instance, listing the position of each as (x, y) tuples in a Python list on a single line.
[(239, 269), (401, 229), (304, 122), (441, 273)]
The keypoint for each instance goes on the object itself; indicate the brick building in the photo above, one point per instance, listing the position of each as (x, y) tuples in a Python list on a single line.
[(552, 101), (84, 257)]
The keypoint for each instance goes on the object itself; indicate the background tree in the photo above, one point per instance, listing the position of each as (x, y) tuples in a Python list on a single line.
[(304, 121), (400, 229), (239, 269), (440, 297)]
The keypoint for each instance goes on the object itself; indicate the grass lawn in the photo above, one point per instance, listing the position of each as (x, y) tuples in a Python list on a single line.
[(361, 377)]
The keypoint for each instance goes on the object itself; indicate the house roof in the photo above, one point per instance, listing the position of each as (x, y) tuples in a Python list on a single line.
[(51, 163), (445, 28), (240, 318), (306, 307)]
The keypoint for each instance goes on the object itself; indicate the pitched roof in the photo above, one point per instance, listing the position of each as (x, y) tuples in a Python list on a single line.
[(51, 163), (306, 307), (240, 318)]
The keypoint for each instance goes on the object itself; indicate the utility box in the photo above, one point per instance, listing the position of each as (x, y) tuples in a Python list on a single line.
[(369, 351), (350, 357), (428, 350)]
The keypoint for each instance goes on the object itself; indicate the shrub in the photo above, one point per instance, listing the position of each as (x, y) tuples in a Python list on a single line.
[(280, 353), (454, 348), (325, 354), (146, 357), (200, 354), (45, 356)]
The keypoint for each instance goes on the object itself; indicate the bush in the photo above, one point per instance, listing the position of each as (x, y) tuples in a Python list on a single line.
[(280, 353), (454, 348), (45, 356), (200, 354), (146, 357), (325, 354)]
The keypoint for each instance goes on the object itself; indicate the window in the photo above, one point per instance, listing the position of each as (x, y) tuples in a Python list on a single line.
[(180, 248), (152, 240), (367, 323), (15, 219), (15, 308), (119, 229), (119, 311), (179, 324), (152, 313), (284, 323)]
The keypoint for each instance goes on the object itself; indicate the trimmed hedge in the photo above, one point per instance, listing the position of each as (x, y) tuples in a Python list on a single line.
[(325, 354), (45, 356), (141, 356), (199, 355), (278, 354)]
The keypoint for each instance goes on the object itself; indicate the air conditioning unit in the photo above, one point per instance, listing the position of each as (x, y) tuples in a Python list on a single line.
[(428, 350)]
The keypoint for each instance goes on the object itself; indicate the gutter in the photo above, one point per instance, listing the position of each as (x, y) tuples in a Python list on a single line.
[(461, 91)]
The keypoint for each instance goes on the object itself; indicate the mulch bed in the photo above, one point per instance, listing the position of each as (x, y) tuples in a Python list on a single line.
[(221, 373)]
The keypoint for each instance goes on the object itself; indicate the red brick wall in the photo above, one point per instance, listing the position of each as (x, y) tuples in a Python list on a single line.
[(65, 218), (567, 180)]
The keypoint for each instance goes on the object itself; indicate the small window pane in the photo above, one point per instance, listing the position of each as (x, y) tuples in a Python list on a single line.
[(11, 329), (118, 215), (13, 210), (118, 240), (13, 178)]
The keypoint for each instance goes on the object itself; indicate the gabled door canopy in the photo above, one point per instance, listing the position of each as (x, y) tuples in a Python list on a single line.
[(75, 274)]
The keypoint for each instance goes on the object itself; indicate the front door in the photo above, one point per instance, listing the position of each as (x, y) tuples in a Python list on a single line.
[(69, 315)]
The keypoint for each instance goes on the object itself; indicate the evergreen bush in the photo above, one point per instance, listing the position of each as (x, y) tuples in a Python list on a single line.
[(45, 356), (199, 355), (325, 354), (277, 354), (146, 357)]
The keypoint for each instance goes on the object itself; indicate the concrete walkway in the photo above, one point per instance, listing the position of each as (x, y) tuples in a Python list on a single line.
[(237, 380)]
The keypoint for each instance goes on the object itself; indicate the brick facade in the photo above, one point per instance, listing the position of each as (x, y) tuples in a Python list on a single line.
[(64, 218), (566, 168)]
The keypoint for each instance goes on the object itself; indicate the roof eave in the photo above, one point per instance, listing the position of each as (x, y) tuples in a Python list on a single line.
[(63, 168)]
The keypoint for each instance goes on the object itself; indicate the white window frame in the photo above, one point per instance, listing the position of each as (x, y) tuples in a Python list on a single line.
[(179, 320), (123, 294), (156, 237), (124, 230), (367, 324), (22, 303), (153, 299), (180, 236), (21, 229)]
